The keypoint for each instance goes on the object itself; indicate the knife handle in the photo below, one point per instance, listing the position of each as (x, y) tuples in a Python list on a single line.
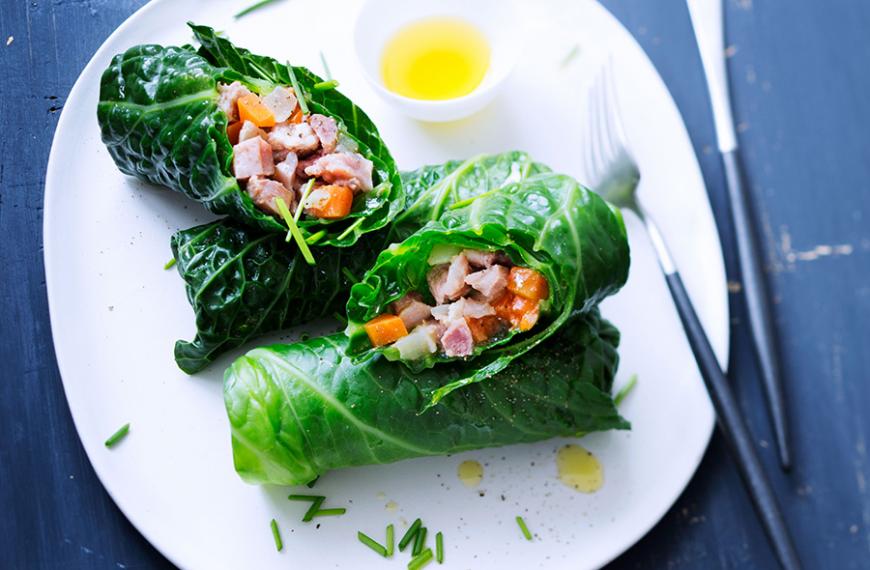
[(757, 303)]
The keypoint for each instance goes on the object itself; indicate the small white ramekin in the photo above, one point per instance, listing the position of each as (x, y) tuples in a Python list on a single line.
[(379, 20)]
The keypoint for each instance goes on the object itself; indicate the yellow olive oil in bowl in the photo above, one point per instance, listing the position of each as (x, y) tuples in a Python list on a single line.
[(435, 59)]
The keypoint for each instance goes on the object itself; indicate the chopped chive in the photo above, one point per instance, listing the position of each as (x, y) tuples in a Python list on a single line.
[(311, 484), (350, 276), (421, 560), (524, 528), (410, 534), (391, 540), (326, 85), (312, 510), (371, 543), (340, 318), (326, 71), (439, 548), (311, 498), (294, 230), (330, 512), (314, 238), (301, 206), (569, 57), (118, 435), (253, 7), (351, 228), (276, 534), (300, 95), (170, 264), (620, 396), (419, 542)]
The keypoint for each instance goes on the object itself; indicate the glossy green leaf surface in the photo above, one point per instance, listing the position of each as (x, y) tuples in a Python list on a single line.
[(243, 283), (297, 411), (547, 222), (160, 121)]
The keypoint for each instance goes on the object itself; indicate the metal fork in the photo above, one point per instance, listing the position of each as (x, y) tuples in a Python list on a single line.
[(614, 173)]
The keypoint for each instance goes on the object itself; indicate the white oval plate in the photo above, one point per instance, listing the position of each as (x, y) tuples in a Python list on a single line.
[(115, 314)]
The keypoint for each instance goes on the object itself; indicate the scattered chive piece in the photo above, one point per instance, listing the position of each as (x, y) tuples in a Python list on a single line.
[(371, 543), (410, 534), (325, 66), (118, 435), (351, 228), (339, 318), (170, 264), (569, 57), (308, 186), (300, 96), (391, 540), (439, 548), (330, 512), (253, 7), (314, 238), (620, 396), (326, 85), (311, 484), (312, 510), (311, 498), (423, 559), (276, 534), (350, 276), (419, 542), (524, 528), (294, 230)]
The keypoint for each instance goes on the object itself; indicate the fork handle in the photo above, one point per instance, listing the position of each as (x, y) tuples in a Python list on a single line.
[(733, 427)]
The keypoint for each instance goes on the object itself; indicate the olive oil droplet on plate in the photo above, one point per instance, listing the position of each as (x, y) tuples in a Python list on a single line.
[(470, 473), (579, 469)]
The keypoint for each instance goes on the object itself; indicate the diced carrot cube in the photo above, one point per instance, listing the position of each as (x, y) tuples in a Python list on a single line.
[(520, 312), (485, 328), (252, 109), (296, 117), (528, 283), (385, 329), (233, 131), (329, 202)]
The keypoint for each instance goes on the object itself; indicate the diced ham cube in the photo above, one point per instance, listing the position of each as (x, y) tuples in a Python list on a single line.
[(252, 157), (229, 97), (351, 170), (326, 130), (299, 138), (476, 310), (285, 171), (481, 259), (264, 192), (405, 301), (414, 314), (457, 340), (306, 162), (250, 131), (447, 282), (282, 102), (491, 282)]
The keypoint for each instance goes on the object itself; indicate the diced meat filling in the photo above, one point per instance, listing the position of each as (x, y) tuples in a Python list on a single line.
[(479, 296), (351, 170), (274, 141)]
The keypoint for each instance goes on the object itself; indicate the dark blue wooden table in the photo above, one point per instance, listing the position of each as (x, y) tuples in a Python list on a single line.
[(801, 85)]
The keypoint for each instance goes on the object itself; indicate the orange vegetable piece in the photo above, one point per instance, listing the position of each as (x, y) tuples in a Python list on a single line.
[(385, 329), (296, 117), (252, 109), (528, 283), (520, 312), (233, 132), (329, 202), (485, 328)]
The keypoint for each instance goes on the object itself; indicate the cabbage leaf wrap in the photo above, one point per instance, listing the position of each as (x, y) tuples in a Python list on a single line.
[(547, 222), (243, 283), (160, 121), (300, 410)]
